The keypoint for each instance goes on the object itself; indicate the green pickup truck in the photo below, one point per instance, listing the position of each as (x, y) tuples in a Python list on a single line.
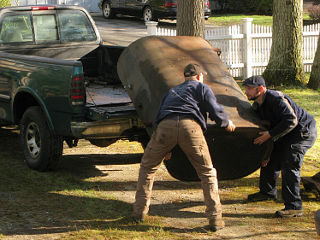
[(58, 82)]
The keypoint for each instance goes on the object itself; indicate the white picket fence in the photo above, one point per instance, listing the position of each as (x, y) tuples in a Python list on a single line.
[(245, 48)]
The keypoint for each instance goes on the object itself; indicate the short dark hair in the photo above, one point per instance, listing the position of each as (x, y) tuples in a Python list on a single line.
[(192, 69), (254, 81)]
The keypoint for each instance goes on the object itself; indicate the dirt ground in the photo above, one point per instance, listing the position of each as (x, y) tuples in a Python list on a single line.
[(179, 205)]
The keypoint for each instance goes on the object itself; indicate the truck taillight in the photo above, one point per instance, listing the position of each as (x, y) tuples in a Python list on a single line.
[(77, 91), (170, 4)]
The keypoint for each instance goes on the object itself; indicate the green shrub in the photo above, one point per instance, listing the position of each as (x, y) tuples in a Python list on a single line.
[(5, 3), (247, 6)]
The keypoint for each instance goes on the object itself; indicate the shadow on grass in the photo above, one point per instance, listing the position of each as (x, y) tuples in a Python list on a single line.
[(62, 202)]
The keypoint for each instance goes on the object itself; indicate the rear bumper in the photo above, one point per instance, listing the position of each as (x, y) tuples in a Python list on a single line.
[(111, 128)]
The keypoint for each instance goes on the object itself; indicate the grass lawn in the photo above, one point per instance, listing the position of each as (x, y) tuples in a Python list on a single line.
[(231, 19)]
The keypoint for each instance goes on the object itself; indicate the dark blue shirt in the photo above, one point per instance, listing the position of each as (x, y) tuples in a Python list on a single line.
[(195, 99), (283, 114)]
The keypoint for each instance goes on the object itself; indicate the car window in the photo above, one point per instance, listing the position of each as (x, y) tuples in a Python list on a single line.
[(45, 27), (16, 29), (75, 26)]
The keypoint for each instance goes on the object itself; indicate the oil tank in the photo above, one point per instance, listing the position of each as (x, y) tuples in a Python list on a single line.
[(150, 66)]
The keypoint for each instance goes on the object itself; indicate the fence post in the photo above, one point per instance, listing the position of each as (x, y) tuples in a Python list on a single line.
[(152, 27), (247, 46)]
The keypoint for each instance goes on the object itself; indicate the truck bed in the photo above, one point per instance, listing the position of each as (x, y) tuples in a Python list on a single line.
[(98, 94), (108, 101)]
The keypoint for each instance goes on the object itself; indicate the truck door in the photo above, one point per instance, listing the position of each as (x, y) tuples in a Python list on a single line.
[(4, 95), (15, 30)]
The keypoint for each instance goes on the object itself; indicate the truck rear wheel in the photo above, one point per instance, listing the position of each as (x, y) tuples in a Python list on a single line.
[(42, 149)]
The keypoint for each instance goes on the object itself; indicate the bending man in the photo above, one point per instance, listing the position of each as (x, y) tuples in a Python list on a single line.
[(182, 119), (293, 131)]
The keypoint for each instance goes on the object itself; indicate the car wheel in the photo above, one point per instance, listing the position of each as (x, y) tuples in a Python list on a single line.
[(107, 11), (42, 149), (147, 14)]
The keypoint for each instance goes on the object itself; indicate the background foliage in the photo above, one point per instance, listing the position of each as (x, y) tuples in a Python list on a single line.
[(314, 12), (5, 3), (246, 6)]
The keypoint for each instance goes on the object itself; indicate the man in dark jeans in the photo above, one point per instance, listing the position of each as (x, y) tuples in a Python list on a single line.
[(293, 131), (181, 119)]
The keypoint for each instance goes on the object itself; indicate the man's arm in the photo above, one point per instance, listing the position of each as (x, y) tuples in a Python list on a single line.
[(289, 120), (282, 109), (216, 111)]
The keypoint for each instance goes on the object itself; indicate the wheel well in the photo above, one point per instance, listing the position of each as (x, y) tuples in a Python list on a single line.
[(146, 7), (108, 1), (21, 103)]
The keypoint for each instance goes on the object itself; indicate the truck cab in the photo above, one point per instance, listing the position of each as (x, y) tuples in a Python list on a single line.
[(58, 82)]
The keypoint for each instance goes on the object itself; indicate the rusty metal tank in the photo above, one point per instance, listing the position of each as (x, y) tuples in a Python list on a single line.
[(152, 65)]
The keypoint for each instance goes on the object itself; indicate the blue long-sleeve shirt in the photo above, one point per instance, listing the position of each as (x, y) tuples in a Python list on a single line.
[(283, 114), (193, 98)]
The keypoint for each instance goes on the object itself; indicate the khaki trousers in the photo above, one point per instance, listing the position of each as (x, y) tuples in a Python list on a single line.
[(189, 135)]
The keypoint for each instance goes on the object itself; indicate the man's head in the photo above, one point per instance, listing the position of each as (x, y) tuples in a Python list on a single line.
[(193, 71), (255, 87)]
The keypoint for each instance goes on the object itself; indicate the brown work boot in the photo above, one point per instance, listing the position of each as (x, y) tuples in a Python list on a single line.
[(285, 213), (216, 223), (260, 196)]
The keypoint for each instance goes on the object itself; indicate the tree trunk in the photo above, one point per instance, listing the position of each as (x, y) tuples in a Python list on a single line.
[(190, 18), (314, 81), (286, 62)]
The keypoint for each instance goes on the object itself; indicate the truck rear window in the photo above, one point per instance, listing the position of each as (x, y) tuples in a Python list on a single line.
[(16, 28), (45, 27), (75, 26), (62, 25)]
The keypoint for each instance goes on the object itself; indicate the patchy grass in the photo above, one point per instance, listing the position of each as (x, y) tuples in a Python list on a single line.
[(309, 100), (91, 195)]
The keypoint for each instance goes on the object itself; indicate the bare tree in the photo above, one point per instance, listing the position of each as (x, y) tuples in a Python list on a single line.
[(190, 18), (314, 81), (286, 63)]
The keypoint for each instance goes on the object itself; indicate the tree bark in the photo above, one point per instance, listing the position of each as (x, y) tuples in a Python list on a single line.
[(190, 18), (286, 62), (314, 81)]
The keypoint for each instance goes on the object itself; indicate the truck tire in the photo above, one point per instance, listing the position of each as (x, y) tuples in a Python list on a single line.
[(42, 149), (107, 11)]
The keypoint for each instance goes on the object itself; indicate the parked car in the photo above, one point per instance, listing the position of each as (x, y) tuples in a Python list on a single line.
[(149, 10)]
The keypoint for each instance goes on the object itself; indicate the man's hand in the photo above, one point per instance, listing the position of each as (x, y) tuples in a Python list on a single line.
[(264, 136), (265, 162), (231, 127), (168, 156)]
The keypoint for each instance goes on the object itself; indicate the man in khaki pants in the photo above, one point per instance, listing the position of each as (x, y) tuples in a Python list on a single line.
[(182, 119)]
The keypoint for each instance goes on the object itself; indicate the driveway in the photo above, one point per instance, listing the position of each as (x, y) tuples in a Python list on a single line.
[(120, 31), (123, 30)]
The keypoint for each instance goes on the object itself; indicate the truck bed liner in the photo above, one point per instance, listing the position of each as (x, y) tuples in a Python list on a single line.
[(98, 95)]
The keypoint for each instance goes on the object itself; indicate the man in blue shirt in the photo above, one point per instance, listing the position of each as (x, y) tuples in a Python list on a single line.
[(293, 131), (182, 119)]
